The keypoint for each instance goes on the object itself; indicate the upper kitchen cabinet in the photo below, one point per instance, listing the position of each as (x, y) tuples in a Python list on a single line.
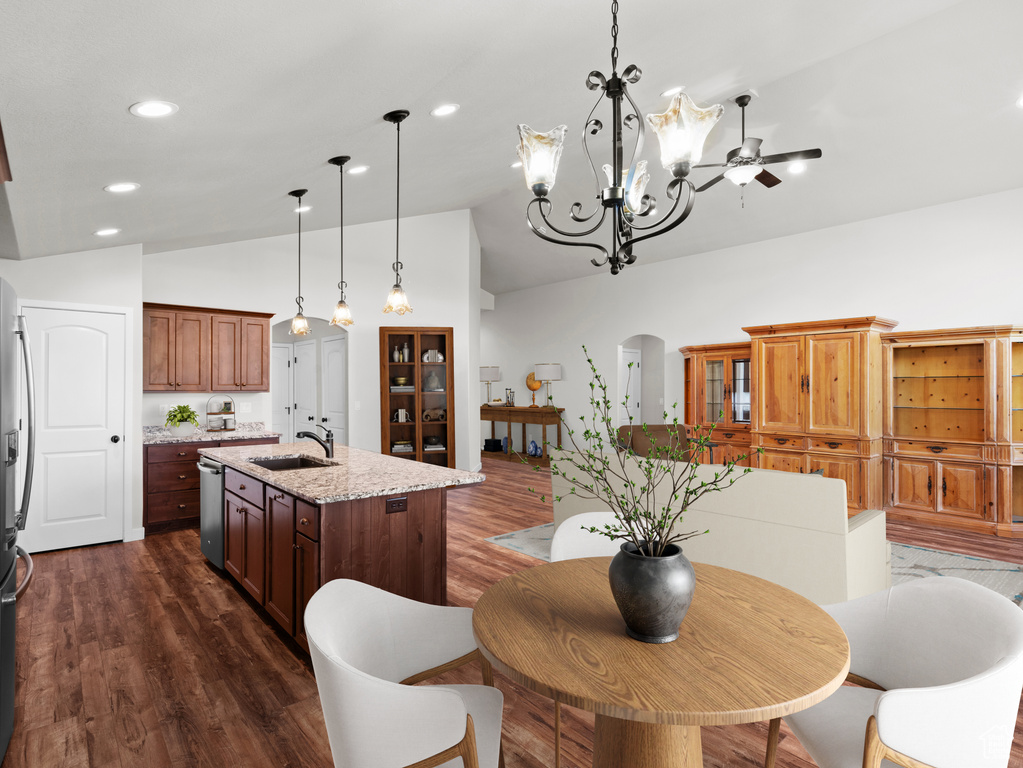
[(192, 349), (177, 350)]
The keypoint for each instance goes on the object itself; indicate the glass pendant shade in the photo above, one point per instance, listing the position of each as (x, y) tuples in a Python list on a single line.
[(540, 154), (342, 314), (397, 301), (299, 325), (634, 195), (743, 174), (682, 131)]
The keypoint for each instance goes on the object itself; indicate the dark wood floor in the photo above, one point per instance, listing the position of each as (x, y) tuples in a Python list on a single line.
[(140, 654)]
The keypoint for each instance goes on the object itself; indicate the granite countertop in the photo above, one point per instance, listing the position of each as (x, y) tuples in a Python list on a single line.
[(354, 474), (248, 430)]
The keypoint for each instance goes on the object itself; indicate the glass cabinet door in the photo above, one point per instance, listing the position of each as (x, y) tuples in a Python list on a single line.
[(714, 390), (740, 391)]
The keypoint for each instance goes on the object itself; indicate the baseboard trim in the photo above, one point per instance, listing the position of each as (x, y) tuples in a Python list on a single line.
[(135, 534)]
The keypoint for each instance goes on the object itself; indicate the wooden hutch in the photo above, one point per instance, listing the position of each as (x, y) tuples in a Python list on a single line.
[(718, 384)]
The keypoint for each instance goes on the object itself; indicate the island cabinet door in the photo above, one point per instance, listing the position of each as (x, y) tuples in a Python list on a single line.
[(234, 546), (307, 581), (254, 556), (280, 558)]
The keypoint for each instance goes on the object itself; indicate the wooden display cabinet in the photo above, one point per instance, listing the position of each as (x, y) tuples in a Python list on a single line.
[(817, 398), (718, 382), (953, 419), (426, 396)]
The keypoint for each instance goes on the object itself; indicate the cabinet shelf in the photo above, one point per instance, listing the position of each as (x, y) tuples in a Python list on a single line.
[(935, 408)]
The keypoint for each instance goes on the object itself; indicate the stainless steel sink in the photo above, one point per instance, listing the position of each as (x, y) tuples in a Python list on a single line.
[(291, 462)]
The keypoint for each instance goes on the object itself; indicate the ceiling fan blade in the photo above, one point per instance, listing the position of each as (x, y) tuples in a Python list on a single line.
[(785, 157), (711, 183), (767, 178), (711, 165), (750, 147)]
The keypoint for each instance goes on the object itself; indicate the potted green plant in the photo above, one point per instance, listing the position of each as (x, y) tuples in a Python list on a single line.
[(182, 421), (651, 579)]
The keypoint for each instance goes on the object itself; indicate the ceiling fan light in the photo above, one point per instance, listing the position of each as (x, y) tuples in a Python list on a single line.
[(540, 154), (743, 174), (299, 325), (682, 132), (342, 314), (397, 301), (797, 167)]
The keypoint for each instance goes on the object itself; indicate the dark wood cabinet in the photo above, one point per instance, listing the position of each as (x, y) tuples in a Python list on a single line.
[(280, 558), (193, 349), (244, 544), (307, 581), (171, 480)]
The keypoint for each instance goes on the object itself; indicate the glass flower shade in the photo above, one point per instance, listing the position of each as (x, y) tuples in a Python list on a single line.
[(743, 174), (299, 325), (342, 314), (634, 195), (397, 301), (540, 154), (682, 131)]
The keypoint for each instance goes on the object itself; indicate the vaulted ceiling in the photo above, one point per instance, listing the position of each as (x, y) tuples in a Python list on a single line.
[(912, 103)]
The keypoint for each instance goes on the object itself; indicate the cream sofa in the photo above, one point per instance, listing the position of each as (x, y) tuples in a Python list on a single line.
[(785, 527)]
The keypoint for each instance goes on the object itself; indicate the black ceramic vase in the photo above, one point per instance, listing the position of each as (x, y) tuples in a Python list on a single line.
[(653, 593)]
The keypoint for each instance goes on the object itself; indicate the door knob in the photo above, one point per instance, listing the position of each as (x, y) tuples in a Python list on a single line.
[(115, 439), (310, 418), (324, 419)]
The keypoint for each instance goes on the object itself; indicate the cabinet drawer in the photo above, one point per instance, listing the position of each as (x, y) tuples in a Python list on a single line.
[(177, 452), (834, 446), (734, 437), (1017, 454), (173, 476), (161, 507), (939, 450), (248, 488), (307, 519), (787, 442)]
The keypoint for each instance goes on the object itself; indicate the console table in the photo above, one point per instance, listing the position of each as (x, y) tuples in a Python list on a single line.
[(545, 416)]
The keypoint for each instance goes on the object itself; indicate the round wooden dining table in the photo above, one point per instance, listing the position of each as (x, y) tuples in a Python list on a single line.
[(748, 650)]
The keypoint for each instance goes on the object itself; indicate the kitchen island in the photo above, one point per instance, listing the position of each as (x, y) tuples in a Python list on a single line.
[(359, 515)]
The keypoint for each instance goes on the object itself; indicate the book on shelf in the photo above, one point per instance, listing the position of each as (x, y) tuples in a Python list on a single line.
[(405, 388), (402, 449), (435, 448)]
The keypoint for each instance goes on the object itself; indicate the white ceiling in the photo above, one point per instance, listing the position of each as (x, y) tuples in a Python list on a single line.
[(912, 103)]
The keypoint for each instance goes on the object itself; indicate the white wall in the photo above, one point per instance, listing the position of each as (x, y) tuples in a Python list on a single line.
[(953, 265)]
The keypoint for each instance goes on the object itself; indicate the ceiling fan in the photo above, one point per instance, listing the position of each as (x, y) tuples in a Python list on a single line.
[(745, 163)]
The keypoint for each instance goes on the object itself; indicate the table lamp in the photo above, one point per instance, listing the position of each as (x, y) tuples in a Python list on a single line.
[(547, 372), (489, 373)]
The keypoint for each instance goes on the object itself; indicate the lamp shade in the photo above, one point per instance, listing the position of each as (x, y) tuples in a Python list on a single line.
[(540, 154), (547, 371), (490, 373), (681, 131), (743, 174)]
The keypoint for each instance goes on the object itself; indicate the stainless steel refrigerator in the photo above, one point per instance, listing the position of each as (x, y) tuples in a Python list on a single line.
[(17, 432)]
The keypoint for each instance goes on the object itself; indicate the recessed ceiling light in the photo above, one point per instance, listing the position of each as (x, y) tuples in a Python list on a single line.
[(672, 91), (153, 108), (357, 169), (122, 186), (106, 232), (445, 109), (517, 165), (797, 167), (303, 209)]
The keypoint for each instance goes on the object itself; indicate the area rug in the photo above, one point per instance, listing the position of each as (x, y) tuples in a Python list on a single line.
[(908, 562)]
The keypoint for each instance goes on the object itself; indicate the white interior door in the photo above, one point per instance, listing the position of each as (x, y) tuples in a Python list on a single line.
[(334, 364), (282, 391), (629, 385), (305, 387), (78, 494)]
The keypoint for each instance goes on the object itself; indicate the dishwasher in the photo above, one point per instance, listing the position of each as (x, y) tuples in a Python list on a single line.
[(211, 510)]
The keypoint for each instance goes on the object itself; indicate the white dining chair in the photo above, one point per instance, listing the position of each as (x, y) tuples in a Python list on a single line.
[(938, 664), (570, 541), (368, 646)]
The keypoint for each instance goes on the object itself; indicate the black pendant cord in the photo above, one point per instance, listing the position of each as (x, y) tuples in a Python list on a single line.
[(341, 194), (298, 194), (397, 206)]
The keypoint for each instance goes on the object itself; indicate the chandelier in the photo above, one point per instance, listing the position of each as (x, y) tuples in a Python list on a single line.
[(681, 132)]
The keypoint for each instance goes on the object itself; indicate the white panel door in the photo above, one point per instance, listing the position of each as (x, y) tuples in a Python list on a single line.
[(629, 387), (305, 387), (78, 495), (282, 391), (334, 364)]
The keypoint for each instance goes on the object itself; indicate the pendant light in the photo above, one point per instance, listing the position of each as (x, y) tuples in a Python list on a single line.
[(397, 301), (299, 325), (342, 314)]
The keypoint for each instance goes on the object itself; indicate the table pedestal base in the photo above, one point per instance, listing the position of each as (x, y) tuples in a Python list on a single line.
[(618, 743)]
